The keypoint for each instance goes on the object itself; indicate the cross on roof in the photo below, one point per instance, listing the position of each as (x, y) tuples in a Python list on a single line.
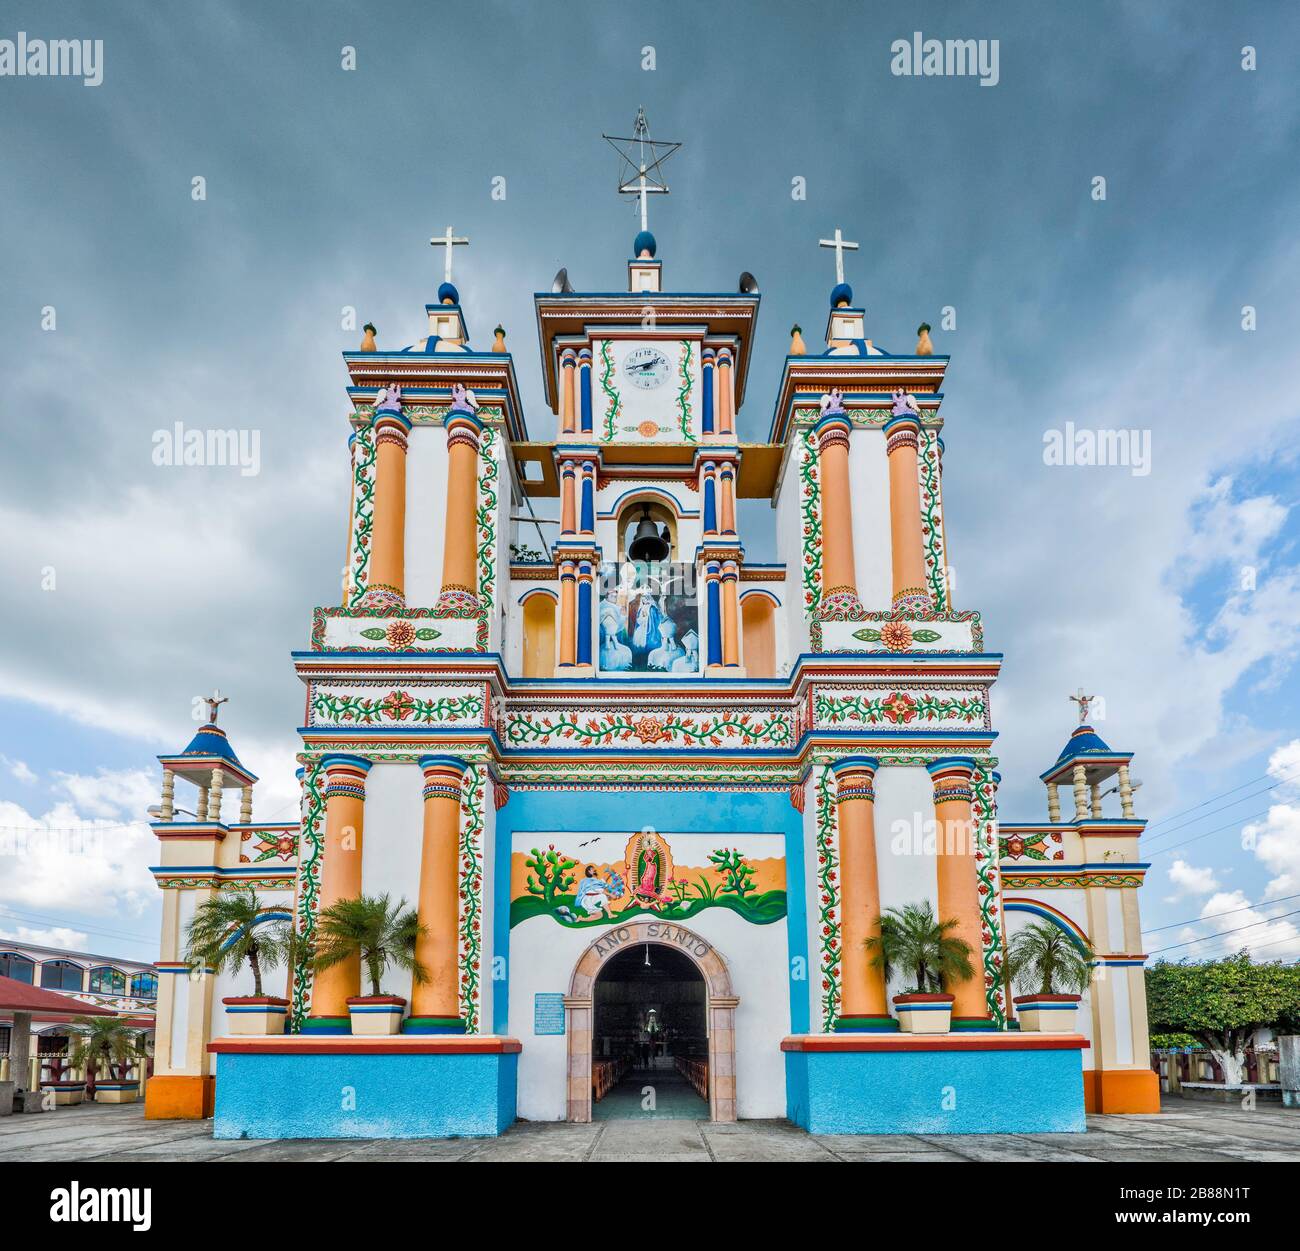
[(643, 167), (214, 701), (1084, 701), (841, 245), (448, 241)]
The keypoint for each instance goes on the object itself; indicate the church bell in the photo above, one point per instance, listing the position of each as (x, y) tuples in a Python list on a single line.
[(648, 544)]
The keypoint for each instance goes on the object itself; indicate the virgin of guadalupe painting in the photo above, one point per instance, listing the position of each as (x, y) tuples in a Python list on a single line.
[(649, 869), (646, 613)]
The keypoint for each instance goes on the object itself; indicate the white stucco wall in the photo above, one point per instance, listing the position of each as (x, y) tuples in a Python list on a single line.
[(869, 473), (426, 510)]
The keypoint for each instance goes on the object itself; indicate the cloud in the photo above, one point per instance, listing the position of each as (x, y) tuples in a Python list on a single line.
[(108, 794), (1247, 928), (56, 936), (1190, 880), (18, 770)]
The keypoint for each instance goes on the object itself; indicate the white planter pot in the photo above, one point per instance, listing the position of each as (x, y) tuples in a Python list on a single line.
[(256, 1014), (1047, 1014), (924, 1014), (376, 1014)]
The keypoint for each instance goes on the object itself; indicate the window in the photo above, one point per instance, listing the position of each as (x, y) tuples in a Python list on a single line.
[(107, 981), (145, 985), (20, 968), (61, 975)]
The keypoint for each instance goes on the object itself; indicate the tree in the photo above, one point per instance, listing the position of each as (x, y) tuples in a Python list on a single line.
[(377, 930), (225, 934), (1043, 959), (912, 938), (1221, 1003), (104, 1040)]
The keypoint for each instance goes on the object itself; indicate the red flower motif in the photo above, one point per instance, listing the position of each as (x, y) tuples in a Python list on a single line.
[(896, 635), (400, 634), (899, 707), (398, 705), (650, 730)]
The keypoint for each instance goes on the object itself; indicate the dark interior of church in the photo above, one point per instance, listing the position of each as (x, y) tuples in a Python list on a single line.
[(650, 1007)]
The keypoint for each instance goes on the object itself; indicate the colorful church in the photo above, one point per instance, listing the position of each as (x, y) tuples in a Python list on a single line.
[(650, 796)]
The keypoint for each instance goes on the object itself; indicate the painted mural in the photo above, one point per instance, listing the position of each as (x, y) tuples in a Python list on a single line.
[(598, 879), (649, 619)]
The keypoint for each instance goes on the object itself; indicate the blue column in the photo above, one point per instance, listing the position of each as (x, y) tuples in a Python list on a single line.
[(584, 615), (710, 505), (708, 391), (588, 523), (715, 617), (584, 390)]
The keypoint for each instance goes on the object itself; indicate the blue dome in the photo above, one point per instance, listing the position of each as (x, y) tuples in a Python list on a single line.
[(448, 292), (841, 292), (210, 741), (644, 242), (1084, 741)]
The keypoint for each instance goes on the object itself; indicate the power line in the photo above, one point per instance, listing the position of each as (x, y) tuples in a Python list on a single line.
[(9, 914), (1191, 942), (1214, 811), (1262, 778), (1218, 829), (1263, 903)]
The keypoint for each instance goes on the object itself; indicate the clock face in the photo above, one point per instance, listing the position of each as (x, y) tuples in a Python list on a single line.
[(646, 367)]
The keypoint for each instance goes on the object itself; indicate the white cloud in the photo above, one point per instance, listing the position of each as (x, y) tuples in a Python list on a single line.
[(1246, 928), (56, 936), (1190, 880), (110, 794), (19, 770)]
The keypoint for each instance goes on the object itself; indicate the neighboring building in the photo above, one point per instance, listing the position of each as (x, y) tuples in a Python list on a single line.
[(648, 796), (129, 987)]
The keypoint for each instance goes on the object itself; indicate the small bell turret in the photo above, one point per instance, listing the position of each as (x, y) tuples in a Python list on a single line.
[(648, 544)]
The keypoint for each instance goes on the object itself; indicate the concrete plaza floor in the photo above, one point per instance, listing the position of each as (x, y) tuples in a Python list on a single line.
[(1185, 1131)]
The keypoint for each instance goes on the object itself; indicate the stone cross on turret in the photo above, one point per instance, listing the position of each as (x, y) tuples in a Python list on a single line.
[(214, 702), (1084, 702)]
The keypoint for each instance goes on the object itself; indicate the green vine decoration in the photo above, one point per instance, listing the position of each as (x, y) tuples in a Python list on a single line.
[(614, 727), (737, 873), (984, 813), (898, 708), (615, 403), (487, 529), (363, 513), (932, 518), (471, 894), (396, 706), (809, 502), (309, 865), (549, 874), (828, 897), (684, 392)]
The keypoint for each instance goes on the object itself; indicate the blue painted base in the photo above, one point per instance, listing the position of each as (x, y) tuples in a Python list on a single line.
[(935, 1092), (353, 1095)]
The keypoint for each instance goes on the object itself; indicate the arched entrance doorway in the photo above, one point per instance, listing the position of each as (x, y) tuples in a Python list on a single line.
[(678, 948)]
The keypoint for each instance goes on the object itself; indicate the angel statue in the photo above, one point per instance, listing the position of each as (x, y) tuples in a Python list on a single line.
[(463, 398), (832, 403), (389, 399), (904, 404)]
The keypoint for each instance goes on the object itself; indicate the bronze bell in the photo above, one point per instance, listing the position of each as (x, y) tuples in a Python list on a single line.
[(648, 544)]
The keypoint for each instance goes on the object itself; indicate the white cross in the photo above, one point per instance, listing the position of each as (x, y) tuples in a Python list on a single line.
[(448, 241), (642, 187), (841, 245)]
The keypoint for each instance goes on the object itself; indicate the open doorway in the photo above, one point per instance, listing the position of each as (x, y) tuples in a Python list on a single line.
[(650, 1040)]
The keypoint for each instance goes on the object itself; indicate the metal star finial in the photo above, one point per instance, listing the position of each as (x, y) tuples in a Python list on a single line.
[(643, 158)]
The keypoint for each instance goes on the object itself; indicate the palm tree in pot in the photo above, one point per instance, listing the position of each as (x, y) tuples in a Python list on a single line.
[(913, 939), (1053, 969), (107, 1042), (380, 933), (236, 928)]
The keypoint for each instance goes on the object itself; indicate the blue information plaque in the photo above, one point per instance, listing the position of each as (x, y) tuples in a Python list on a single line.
[(548, 1013)]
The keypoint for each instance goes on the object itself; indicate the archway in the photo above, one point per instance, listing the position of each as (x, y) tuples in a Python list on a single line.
[(719, 1008), (758, 613), (539, 635)]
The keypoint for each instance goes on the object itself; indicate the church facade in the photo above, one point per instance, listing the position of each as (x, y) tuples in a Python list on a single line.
[(651, 797)]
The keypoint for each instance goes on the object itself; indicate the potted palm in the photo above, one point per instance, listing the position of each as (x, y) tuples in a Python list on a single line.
[(380, 933), (912, 938), (1058, 968), (232, 930), (109, 1042)]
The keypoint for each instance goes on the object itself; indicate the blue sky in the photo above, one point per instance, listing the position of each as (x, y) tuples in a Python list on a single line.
[(323, 187)]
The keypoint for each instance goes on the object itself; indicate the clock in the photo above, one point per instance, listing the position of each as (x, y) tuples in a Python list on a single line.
[(646, 367)]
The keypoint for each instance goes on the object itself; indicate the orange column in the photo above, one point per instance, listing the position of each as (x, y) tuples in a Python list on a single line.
[(958, 883), (726, 394), (906, 541), (727, 482), (568, 615), (862, 997), (730, 615), (435, 1005), (340, 878), (386, 577), (568, 391), (568, 498), (839, 574), (460, 537)]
